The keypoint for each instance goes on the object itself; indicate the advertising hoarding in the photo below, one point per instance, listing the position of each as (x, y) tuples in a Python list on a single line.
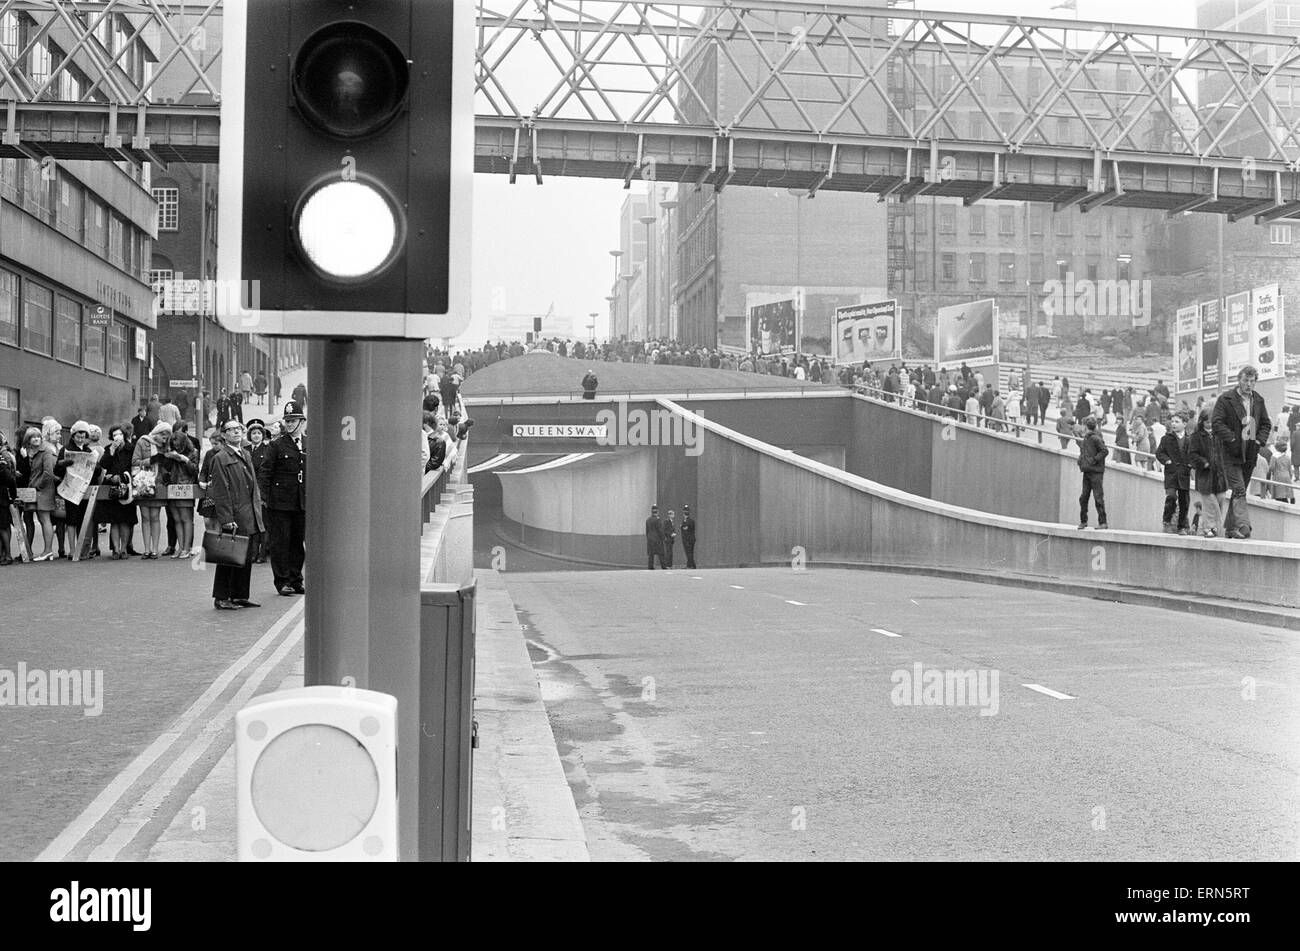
[(966, 333)]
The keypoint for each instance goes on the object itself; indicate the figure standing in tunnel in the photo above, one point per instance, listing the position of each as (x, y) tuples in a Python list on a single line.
[(688, 535), (654, 546)]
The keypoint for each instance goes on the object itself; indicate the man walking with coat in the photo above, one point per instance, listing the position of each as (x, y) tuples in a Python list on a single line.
[(239, 511), (654, 546), (1092, 463), (1241, 423), (283, 481)]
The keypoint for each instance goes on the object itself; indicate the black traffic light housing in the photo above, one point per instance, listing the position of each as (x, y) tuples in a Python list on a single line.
[(347, 183)]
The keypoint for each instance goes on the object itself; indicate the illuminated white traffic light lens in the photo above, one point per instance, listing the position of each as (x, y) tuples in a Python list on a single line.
[(348, 230)]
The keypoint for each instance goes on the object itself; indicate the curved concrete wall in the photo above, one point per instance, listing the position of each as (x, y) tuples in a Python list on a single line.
[(975, 468), (838, 517), (604, 494)]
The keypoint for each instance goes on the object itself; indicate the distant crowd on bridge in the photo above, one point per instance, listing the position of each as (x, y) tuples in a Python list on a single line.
[(1143, 429)]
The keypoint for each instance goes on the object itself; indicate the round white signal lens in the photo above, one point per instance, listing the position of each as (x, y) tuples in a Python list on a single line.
[(348, 230)]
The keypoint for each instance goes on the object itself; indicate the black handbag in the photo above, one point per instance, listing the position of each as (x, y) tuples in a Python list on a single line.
[(207, 507), (220, 548)]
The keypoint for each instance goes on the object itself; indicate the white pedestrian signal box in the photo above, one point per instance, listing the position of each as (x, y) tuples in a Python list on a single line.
[(316, 775), (347, 163)]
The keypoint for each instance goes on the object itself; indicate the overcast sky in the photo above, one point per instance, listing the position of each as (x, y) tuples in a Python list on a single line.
[(538, 245)]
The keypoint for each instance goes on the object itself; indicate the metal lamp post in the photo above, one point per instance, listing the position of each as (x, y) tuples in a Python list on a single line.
[(650, 328), (668, 204), (613, 316)]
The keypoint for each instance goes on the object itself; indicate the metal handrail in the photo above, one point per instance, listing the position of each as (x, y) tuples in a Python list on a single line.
[(963, 418)]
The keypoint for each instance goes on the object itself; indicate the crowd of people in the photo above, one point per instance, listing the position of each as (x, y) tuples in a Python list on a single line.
[(154, 474)]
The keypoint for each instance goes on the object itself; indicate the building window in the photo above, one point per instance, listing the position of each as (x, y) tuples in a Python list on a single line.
[(947, 219), (169, 200), (1063, 136), (1124, 269), (1063, 224), (1035, 80), (8, 307), (115, 240), (922, 219), (1036, 269), (1124, 223), (117, 350), (1092, 270), (1062, 269), (92, 348), (9, 34), (1279, 234), (67, 331), (976, 126), (38, 318), (1036, 215), (977, 220), (1006, 220), (947, 266), (977, 273), (1006, 268), (9, 411), (1092, 225), (96, 229), (922, 269)]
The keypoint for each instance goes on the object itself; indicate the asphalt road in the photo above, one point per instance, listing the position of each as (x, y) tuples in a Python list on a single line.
[(709, 716), (151, 629)]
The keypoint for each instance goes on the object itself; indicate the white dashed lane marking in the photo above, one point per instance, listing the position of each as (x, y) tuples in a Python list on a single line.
[(881, 630), (1051, 693), (739, 587)]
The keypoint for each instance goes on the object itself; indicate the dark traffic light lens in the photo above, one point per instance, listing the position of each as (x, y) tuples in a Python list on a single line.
[(349, 79)]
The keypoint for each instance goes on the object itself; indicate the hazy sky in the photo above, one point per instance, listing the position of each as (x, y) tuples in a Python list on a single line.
[(538, 245)]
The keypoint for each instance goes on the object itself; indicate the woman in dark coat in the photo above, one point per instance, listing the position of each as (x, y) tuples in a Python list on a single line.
[(180, 466), (1121, 441), (239, 510), (115, 472), (1205, 455), (8, 496)]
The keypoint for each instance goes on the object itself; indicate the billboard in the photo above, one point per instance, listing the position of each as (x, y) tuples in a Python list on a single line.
[(867, 332), (1265, 329), (966, 333), (1236, 333), (773, 327), (1210, 343), (1187, 349)]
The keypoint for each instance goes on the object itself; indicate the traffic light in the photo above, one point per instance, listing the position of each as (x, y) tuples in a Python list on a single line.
[(346, 167)]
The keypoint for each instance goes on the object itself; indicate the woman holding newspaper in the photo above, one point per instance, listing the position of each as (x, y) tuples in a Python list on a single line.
[(74, 467)]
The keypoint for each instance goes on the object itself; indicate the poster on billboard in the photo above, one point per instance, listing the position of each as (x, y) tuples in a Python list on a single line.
[(1266, 346), (773, 326), (1187, 348), (867, 332), (966, 333), (1210, 343), (1236, 333)]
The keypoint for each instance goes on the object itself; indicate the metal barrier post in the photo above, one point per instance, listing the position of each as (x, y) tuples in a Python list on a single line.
[(447, 730)]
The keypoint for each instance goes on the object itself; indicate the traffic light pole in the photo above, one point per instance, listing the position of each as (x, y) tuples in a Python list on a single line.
[(363, 537)]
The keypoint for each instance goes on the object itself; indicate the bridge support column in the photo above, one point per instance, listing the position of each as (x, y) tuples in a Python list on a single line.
[(363, 536)]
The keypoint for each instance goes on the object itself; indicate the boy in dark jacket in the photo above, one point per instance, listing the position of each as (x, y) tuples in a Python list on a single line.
[(1172, 453)]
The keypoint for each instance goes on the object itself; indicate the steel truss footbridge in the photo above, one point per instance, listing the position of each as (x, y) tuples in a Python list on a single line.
[(775, 93)]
